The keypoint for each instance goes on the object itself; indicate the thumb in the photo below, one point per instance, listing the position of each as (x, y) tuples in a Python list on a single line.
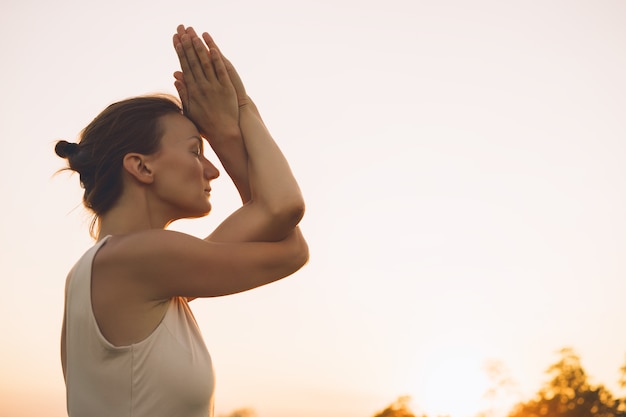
[(182, 93)]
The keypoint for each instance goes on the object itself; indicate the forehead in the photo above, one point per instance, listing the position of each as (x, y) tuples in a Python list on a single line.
[(177, 127)]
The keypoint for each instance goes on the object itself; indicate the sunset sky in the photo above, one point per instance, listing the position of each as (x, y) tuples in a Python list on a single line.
[(462, 163)]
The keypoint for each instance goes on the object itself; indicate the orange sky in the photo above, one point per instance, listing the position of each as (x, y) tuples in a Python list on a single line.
[(463, 169)]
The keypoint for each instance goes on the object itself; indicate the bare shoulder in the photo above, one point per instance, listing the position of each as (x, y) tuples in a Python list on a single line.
[(127, 261), (163, 264), (149, 255), (135, 248)]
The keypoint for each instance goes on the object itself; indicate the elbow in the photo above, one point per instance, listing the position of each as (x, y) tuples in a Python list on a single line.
[(288, 214), (295, 212)]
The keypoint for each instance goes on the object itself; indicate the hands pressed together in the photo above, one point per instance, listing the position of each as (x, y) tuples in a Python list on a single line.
[(215, 99), (212, 94), (209, 87)]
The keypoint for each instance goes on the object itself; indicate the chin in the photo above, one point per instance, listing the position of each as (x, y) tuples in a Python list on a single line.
[(199, 214), (204, 211), (195, 212)]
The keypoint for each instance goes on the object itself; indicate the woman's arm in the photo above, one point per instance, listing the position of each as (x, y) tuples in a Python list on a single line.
[(159, 264), (275, 205)]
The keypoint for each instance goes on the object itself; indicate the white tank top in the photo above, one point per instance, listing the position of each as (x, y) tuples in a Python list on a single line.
[(168, 374)]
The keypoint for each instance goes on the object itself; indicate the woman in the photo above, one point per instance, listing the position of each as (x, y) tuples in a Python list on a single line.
[(130, 345)]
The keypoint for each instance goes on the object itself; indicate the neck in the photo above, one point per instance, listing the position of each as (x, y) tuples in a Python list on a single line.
[(130, 215)]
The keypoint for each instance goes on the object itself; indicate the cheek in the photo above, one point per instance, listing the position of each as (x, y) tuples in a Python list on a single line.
[(196, 171), (180, 172), (193, 173)]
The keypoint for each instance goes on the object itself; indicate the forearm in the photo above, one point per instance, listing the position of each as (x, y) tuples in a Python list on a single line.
[(272, 184), (251, 223), (232, 153), (214, 98)]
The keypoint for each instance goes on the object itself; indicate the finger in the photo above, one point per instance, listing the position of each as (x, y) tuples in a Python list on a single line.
[(192, 32), (178, 75), (182, 58), (182, 93), (182, 90), (195, 69), (180, 30), (204, 57), (204, 54), (216, 58), (230, 69), (229, 66)]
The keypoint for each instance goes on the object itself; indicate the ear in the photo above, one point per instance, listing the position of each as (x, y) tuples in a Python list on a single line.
[(138, 166)]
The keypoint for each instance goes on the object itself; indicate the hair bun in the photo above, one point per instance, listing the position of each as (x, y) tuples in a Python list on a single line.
[(65, 149)]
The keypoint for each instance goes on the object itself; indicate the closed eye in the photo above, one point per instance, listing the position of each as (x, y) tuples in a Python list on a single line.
[(196, 147)]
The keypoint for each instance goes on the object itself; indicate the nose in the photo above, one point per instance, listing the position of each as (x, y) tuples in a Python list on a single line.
[(210, 171)]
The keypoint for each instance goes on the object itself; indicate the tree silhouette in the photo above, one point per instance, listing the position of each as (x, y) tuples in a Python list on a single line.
[(569, 394), (622, 379), (399, 408), (622, 383), (242, 412)]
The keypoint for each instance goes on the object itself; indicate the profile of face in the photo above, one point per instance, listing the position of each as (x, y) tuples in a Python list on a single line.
[(181, 173)]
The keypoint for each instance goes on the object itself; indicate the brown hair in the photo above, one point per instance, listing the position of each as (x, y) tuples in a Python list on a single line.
[(130, 125)]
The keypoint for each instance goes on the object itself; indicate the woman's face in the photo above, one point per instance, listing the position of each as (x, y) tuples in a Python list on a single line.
[(182, 174)]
